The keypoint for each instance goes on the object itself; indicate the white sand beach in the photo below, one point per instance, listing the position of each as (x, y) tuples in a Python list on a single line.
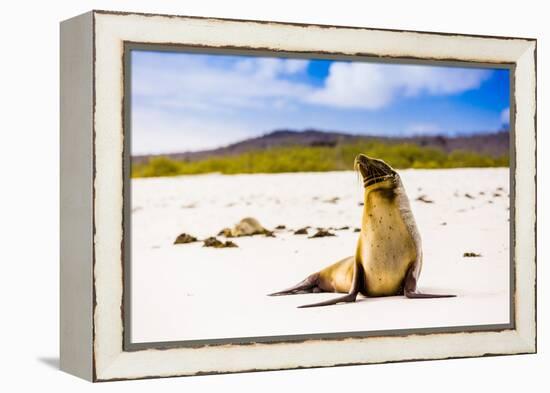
[(190, 292)]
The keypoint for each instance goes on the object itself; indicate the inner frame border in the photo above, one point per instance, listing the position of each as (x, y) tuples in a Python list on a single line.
[(129, 46)]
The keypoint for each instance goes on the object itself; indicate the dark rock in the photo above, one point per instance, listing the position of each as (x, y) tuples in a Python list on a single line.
[(424, 198), (471, 255), (185, 238), (213, 242), (301, 231), (322, 233)]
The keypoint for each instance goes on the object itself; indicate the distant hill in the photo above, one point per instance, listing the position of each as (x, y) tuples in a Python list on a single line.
[(494, 144)]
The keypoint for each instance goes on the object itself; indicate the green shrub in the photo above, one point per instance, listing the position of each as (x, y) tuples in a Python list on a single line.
[(318, 159)]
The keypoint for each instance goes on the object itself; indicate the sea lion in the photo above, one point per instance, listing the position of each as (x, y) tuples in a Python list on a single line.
[(248, 226), (388, 258)]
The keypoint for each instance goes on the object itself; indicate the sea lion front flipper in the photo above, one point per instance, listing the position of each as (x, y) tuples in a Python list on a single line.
[(351, 296), (409, 289)]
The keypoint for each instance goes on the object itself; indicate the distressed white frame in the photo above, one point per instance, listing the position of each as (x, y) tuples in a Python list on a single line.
[(106, 359)]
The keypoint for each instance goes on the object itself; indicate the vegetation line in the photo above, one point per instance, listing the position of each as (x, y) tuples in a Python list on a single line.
[(318, 159)]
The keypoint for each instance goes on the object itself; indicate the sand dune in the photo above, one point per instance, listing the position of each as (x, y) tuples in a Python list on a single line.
[(189, 292)]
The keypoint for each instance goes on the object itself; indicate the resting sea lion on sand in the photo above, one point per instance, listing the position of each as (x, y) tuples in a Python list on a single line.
[(248, 226), (388, 258)]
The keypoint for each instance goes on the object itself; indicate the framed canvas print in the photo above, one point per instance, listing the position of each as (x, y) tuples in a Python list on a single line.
[(246, 195)]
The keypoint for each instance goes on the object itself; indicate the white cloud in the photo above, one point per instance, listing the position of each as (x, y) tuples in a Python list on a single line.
[(268, 68), (505, 116), (198, 103), (156, 132), (374, 86), (252, 82), (294, 66), (259, 82)]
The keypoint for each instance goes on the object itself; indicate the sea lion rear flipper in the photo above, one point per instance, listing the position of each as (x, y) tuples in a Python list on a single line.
[(351, 296), (306, 286), (417, 295)]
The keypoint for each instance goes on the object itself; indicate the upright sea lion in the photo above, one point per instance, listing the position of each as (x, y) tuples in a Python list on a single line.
[(388, 258)]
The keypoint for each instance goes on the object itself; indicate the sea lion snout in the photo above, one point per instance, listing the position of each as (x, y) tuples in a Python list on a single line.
[(373, 170)]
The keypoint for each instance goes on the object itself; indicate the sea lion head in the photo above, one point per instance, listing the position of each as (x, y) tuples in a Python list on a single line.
[(376, 173)]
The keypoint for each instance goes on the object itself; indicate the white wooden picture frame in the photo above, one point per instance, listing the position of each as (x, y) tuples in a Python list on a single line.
[(94, 169)]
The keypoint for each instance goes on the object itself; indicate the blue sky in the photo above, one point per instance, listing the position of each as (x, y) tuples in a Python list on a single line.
[(185, 102)]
